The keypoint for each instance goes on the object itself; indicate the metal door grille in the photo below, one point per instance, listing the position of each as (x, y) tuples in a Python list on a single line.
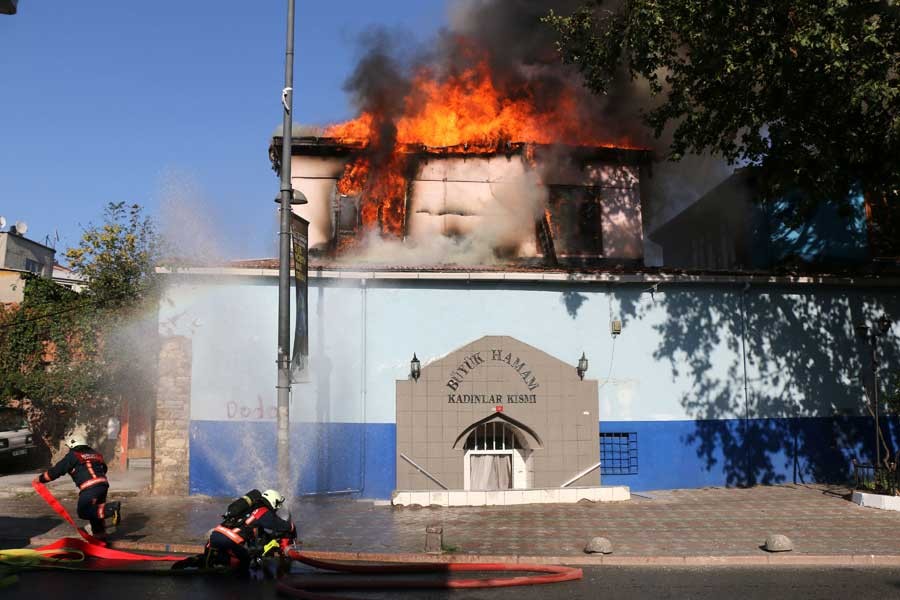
[(494, 435)]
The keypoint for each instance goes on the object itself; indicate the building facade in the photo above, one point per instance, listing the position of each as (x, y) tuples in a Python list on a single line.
[(715, 381), (498, 270), (20, 256)]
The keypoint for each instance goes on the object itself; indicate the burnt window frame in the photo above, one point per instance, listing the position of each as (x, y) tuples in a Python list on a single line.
[(555, 194)]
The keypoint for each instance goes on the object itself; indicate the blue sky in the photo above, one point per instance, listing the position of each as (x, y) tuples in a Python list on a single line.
[(169, 104)]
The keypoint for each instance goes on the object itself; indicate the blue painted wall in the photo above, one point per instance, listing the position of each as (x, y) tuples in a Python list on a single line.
[(725, 385), (739, 452), (228, 458), (671, 454)]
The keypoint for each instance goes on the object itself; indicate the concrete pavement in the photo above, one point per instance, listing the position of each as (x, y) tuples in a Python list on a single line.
[(133, 482), (674, 527)]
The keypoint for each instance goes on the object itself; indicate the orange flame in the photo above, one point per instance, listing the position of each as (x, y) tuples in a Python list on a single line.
[(465, 111)]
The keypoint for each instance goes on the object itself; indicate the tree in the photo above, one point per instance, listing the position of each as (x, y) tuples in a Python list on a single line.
[(808, 91), (118, 258), (72, 359)]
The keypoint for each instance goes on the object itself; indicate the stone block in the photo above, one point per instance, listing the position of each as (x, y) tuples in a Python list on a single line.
[(598, 545), (778, 543), (434, 539)]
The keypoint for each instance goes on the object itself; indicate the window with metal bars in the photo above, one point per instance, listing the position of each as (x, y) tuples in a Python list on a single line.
[(494, 435), (618, 453)]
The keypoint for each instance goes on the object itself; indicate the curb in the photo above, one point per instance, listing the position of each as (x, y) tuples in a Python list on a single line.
[(751, 560)]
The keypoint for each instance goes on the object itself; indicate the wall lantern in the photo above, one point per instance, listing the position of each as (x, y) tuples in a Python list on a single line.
[(884, 324), (415, 367), (582, 367)]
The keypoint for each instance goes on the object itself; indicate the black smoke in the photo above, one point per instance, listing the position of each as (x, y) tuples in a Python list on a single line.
[(524, 62)]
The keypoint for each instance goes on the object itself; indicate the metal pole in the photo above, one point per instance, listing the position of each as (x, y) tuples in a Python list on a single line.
[(284, 267), (875, 398)]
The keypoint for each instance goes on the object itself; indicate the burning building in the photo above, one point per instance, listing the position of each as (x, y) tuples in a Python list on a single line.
[(474, 231), (512, 165), (511, 202)]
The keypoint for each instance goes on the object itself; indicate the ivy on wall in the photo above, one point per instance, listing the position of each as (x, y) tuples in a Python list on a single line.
[(71, 359)]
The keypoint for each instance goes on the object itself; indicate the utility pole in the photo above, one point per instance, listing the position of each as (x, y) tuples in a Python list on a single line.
[(284, 267), (871, 334)]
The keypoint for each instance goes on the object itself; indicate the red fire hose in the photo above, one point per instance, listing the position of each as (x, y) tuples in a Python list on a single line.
[(299, 586), (50, 499), (89, 546)]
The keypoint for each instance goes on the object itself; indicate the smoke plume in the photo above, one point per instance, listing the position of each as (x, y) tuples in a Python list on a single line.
[(496, 64)]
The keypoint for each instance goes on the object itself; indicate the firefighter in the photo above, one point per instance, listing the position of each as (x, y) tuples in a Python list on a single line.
[(242, 540), (88, 471)]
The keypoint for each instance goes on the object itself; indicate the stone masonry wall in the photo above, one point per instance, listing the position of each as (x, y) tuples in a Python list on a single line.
[(171, 451)]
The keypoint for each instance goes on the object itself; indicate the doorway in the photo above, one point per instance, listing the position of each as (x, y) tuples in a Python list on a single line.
[(495, 458), (490, 470)]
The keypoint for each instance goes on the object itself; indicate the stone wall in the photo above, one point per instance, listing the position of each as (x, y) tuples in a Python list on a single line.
[(171, 451)]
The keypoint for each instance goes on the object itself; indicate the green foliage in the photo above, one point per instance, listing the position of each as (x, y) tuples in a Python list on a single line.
[(890, 381), (809, 91), (118, 258), (71, 358)]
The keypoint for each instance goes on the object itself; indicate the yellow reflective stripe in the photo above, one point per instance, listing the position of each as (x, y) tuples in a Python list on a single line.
[(270, 546)]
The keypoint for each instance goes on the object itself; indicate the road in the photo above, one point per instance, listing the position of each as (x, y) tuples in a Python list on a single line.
[(768, 583)]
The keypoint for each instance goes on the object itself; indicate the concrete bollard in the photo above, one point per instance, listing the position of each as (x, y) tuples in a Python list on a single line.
[(598, 545), (778, 543), (434, 539)]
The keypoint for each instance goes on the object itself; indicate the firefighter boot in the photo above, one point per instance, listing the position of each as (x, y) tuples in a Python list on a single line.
[(113, 513)]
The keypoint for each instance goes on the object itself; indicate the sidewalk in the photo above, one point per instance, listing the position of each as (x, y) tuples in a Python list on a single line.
[(705, 526), (133, 482)]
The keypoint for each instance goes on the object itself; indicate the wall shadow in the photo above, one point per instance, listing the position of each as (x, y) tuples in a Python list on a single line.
[(777, 376), (16, 532)]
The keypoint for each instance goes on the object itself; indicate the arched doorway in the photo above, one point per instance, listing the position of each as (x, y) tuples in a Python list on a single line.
[(497, 457)]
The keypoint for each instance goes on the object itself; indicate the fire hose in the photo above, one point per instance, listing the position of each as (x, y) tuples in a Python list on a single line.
[(67, 553), (300, 586)]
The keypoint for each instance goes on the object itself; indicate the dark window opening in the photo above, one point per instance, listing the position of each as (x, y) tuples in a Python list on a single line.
[(618, 454), (347, 218), (575, 218), (33, 266)]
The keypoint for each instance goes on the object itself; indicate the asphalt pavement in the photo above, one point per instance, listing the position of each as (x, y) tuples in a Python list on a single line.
[(769, 583)]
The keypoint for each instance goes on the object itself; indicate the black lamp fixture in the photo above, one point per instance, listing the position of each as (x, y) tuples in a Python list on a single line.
[(582, 367), (415, 367), (884, 324), (297, 198)]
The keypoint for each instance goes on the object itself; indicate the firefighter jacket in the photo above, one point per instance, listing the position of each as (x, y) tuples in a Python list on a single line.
[(258, 528), (84, 464)]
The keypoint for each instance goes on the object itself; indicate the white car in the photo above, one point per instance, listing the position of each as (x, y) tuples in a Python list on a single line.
[(16, 440)]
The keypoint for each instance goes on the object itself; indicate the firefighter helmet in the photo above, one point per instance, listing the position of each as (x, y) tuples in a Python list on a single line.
[(274, 498), (75, 440)]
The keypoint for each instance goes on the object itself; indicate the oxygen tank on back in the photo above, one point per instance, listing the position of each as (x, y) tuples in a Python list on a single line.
[(243, 505)]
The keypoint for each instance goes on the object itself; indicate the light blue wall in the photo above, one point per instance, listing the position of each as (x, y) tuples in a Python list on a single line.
[(742, 386)]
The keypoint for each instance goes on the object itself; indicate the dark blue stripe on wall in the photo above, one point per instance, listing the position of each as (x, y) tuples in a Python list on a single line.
[(228, 458), (735, 452)]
